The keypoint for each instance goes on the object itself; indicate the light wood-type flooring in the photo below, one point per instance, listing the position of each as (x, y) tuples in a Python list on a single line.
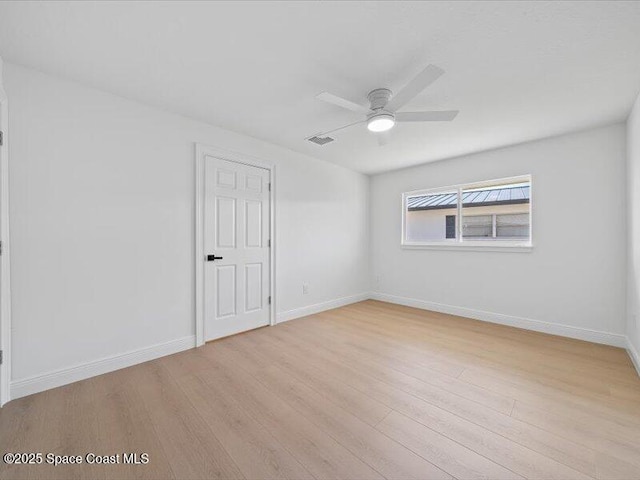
[(367, 391)]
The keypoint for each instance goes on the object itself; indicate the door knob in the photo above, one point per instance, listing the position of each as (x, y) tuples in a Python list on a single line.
[(211, 258)]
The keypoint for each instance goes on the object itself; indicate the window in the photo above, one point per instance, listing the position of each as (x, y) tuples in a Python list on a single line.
[(494, 213)]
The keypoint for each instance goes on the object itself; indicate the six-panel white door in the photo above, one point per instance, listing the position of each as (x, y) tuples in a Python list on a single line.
[(236, 228)]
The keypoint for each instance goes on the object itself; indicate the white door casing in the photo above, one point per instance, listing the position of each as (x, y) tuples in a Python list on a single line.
[(5, 291), (234, 220)]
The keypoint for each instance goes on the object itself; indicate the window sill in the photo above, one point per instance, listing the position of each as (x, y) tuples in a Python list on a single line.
[(472, 247)]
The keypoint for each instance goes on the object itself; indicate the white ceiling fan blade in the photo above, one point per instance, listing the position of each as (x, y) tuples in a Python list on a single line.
[(341, 102), (414, 87), (324, 134), (443, 116)]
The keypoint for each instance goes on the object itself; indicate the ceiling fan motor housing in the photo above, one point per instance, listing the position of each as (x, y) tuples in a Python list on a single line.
[(379, 97)]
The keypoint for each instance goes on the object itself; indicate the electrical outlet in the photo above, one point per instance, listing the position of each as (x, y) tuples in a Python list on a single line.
[(305, 288)]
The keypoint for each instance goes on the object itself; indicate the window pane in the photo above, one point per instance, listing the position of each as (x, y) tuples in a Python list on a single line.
[(496, 212), (477, 226), (426, 217), (514, 225)]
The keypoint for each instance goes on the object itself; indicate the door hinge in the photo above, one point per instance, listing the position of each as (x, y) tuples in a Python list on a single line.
[(269, 299), (1, 356), (268, 245), (0, 248), (1, 138), (269, 186)]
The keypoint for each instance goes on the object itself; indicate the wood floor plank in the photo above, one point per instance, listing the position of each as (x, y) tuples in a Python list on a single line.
[(563, 377), (320, 453), (17, 420), (461, 386), (352, 400), (125, 427), (527, 390), (66, 425), (451, 456), (599, 438), (256, 452), (598, 353), (382, 453), (489, 349), (418, 404), (194, 449), (497, 350), (410, 365)]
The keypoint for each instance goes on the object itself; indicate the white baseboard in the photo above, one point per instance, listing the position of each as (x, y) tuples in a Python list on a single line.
[(633, 353), (320, 307), (579, 333), (39, 383)]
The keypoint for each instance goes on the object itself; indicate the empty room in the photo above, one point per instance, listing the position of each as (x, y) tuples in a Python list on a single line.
[(320, 240)]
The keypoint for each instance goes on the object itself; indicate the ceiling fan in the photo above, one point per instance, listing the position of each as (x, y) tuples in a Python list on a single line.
[(382, 113)]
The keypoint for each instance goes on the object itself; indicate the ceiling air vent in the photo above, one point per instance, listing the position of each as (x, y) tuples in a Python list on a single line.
[(320, 140)]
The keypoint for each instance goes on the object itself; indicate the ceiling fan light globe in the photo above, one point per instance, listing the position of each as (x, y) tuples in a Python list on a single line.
[(381, 123)]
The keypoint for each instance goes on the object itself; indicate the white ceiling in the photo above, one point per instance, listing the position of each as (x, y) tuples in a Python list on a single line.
[(516, 70)]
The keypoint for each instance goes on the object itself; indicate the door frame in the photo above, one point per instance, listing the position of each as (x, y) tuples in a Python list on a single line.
[(5, 277), (203, 151)]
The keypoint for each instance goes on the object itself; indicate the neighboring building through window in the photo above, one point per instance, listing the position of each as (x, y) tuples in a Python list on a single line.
[(498, 210), (450, 226)]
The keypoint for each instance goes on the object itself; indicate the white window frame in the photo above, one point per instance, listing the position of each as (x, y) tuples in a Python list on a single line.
[(489, 244)]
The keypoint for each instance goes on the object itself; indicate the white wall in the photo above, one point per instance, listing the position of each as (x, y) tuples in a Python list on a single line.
[(633, 229), (102, 223), (575, 275)]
